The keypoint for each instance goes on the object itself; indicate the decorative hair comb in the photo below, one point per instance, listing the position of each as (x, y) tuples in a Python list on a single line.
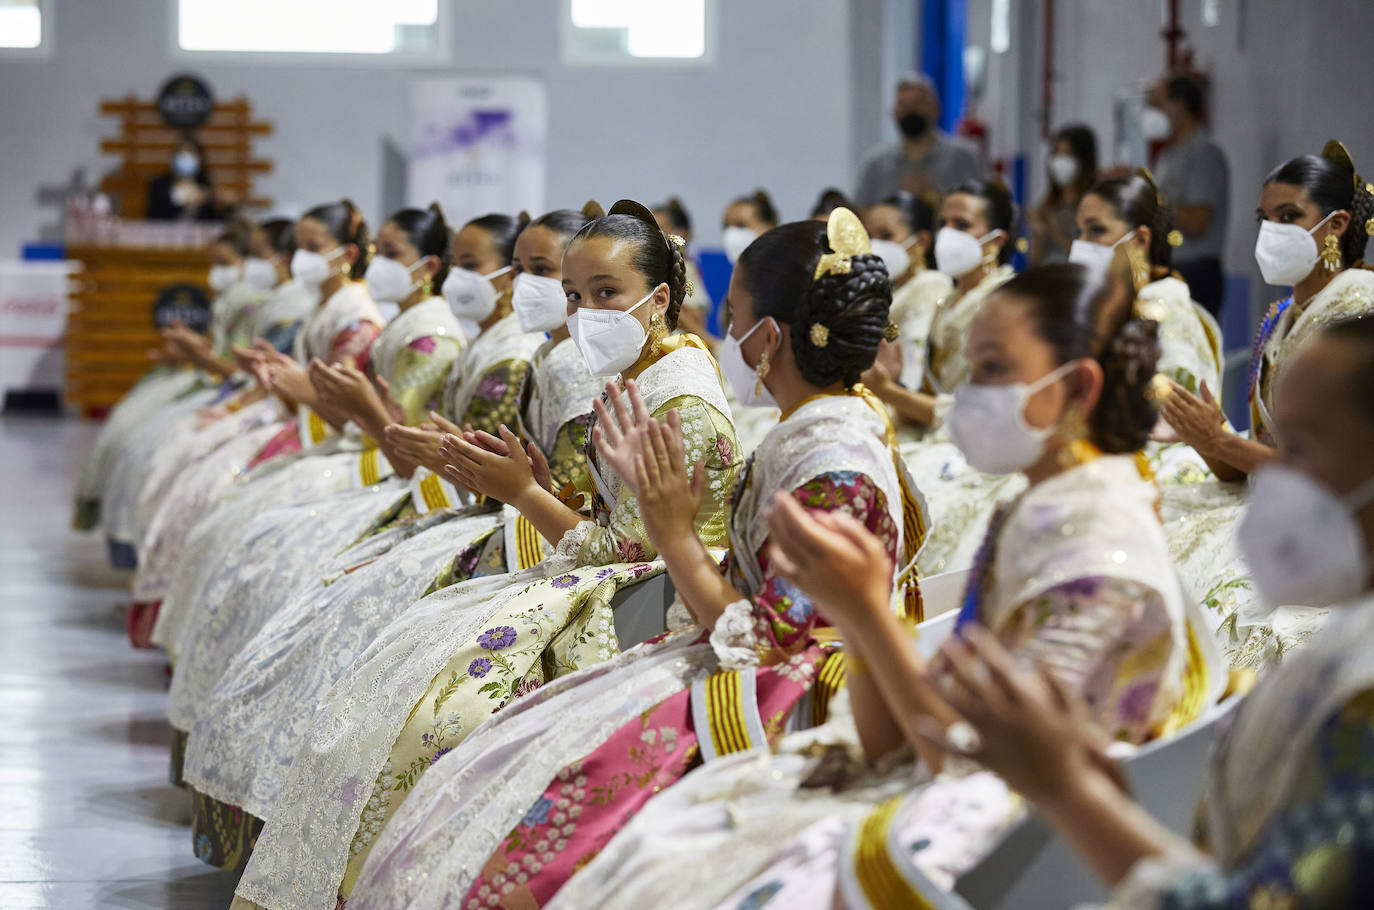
[(847, 238)]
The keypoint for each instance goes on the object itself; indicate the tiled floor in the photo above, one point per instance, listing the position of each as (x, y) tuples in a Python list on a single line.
[(87, 818)]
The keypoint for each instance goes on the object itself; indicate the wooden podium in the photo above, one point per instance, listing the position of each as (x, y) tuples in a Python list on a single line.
[(124, 262)]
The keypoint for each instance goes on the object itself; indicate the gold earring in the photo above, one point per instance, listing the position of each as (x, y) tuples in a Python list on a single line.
[(760, 372), (1075, 448), (657, 329), (1140, 266), (345, 269), (1331, 252)]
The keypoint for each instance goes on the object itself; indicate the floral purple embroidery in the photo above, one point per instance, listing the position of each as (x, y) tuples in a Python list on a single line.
[(526, 687), (725, 450), (491, 388), (497, 638), (564, 581), (538, 813), (1134, 705), (479, 668), (630, 551), (424, 344), (440, 754)]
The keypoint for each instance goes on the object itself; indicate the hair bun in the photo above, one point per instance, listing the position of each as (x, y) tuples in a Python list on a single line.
[(1126, 414), (593, 209), (840, 322)]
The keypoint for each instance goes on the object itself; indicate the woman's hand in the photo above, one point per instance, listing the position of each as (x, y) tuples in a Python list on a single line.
[(833, 558), (616, 432), (668, 497), (286, 377), (346, 388), (1196, 421), (1028, 728), (539, 465), (506, 475), (417, 445)]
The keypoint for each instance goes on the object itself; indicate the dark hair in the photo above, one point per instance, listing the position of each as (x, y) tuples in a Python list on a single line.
[(1187, 91), (999, 210), (677, 214), (202, 174), (916, 214), (657, 258), (566, 223), (1360, 331), (1083, 146), (281, 234), (1137, 201), (829, 200), (1080, 315), (503, 231), (238, 234), (346, 225), (763, 205), (428, 233), (778, 270), (1332, 186)]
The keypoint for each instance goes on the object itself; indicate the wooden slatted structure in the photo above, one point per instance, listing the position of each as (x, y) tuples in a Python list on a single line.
[(125, 263)]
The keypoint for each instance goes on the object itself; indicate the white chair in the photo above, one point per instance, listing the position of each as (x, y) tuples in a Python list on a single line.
[(1032, 868)]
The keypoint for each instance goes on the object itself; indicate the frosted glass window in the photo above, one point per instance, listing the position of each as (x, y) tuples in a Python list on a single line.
[(21, 24), (378, 27), (623, 30)]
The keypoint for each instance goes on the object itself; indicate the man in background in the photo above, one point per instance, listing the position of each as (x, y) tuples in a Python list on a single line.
[(1193, 176), (926, 161)]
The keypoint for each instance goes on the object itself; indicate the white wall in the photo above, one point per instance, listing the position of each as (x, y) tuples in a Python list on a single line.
[(775, 109)]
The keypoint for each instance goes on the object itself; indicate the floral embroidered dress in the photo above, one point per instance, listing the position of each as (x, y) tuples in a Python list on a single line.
[(914, 305), (946, 365), (107, 491), (536, 793), (332, 332), (1287, 814), (258, 713), (267, 544), (1074, 579), (462, 653)]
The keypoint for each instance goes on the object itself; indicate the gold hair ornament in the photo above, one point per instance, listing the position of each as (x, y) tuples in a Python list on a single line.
[(891, 332), (1336, 152), (847, 238), (1175, 238), (820, 335)]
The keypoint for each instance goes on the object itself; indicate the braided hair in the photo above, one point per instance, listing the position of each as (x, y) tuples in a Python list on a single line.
[(346, 225), (1332, 185), (778, 271), (1080, 315), (658, 259)]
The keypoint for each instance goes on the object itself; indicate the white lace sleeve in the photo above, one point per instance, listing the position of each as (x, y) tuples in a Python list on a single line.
[(679, 618), (733, 638), (570, 545)]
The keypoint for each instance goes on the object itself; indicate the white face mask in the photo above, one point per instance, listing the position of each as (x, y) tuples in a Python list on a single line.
[(988, 423), (958, 253), (222, 277), (185, 164), (1063, 169), (1301, 540), (894, 255), (609, 340), (260, 273), (388, 281), (470, 294), (736, 240), (1286, 253), (313, 269), (744, 379), (540, 302), (1097, 257), (1154, 124)]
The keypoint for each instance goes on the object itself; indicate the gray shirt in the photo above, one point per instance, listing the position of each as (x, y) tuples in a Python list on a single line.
[(948, 163), (1194, 172)]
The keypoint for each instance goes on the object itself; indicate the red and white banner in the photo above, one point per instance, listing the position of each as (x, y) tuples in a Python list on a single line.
[(33, 320)]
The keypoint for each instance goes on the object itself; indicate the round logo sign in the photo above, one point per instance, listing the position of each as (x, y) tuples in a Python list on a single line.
[(184, 302), (185, 102)]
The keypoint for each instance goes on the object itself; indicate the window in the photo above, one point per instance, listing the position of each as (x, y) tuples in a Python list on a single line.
[(625, 31), (21, 27), (400, 28)]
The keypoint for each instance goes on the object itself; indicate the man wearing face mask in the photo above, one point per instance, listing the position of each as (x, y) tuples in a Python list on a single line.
[(1192, 172), (925, 161)]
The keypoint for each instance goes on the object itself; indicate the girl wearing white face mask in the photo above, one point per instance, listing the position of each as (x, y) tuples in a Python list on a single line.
[(613, 265), (902, 231), (1315, 214), (1071, 168), (1074, 579), (746, 218), (1129, 214), (1281, 788)]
